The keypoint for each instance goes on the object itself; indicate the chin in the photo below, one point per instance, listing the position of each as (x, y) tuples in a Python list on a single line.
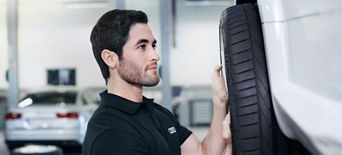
[(152, 83)]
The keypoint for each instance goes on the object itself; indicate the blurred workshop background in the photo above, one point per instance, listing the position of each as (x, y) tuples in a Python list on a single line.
[(46, 57)]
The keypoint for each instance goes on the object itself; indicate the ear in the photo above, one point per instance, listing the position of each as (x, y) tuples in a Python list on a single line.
[(110, 58)]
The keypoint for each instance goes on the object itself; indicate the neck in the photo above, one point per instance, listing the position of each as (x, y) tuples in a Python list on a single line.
[(116, 85)]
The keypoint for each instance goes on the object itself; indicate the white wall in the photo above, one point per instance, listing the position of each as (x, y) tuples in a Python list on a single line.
[(197, 52), (52, 35)]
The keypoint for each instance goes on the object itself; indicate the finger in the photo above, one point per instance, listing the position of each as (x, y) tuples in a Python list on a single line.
[(219, 66), (225, 129), (217, 70), (226, 133), (227, 119)]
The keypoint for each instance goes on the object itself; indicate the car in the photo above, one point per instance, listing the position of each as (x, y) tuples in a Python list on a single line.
[(282, 65), (55, 115)]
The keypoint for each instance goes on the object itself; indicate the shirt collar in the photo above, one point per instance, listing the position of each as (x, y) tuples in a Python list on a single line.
[(121, 103)]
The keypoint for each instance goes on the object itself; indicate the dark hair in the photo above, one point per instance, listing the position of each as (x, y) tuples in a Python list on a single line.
[(111, 33)]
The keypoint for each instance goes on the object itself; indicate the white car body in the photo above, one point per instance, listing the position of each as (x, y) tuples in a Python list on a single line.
[(39, 123), (303, 45)]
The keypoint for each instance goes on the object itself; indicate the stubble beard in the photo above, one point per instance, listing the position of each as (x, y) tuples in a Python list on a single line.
[(132, 74)]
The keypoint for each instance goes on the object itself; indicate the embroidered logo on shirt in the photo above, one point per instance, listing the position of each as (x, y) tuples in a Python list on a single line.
[(172, 130)]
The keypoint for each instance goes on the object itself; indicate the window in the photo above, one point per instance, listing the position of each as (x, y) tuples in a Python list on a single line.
[(51, 98), (64, 76)]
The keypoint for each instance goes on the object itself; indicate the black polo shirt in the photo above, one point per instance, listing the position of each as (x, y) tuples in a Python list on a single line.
[(120, 126)]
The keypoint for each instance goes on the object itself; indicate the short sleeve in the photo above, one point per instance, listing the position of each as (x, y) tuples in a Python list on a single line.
[(118, 142), (184, 133)]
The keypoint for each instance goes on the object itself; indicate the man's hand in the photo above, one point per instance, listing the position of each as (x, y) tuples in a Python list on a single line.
[(227, 135), (220, 94), (214, 143)]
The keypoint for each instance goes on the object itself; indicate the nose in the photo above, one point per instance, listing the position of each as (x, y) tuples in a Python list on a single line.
[(155, 55)]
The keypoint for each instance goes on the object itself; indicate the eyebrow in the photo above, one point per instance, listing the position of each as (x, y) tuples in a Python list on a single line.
[(145, 41)]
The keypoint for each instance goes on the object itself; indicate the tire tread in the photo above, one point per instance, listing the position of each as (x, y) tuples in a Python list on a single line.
[(254, 127)]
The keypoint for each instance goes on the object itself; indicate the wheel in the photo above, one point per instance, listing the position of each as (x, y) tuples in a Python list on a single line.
[(253, 123)]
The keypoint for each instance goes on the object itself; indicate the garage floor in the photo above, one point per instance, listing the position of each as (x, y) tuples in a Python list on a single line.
[(200, 132)]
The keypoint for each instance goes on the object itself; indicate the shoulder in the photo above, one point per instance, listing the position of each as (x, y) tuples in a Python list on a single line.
[(165, 112), (119, 141), (162, 109), (104, 122), (117, 135), (107, 117), (98, 120)]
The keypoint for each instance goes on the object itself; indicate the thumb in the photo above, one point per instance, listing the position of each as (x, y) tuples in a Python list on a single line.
[(217, 70)]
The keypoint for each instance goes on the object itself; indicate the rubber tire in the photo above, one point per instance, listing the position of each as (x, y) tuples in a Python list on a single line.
[(253, 123), (11, 146)]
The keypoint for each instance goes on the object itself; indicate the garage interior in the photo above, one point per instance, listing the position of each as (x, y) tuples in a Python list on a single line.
[(45, 44), (281, 61)]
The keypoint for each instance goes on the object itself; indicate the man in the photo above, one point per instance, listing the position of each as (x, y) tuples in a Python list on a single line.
[(126, 123)]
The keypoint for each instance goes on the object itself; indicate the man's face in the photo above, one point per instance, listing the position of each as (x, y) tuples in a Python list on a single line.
[(138, 65)]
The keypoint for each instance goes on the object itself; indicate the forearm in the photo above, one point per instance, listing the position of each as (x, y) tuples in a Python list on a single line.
[(214, 143)]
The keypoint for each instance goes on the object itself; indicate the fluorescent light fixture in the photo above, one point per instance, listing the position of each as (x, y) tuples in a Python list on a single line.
[(87, 4), (25, 103), (208, 2)]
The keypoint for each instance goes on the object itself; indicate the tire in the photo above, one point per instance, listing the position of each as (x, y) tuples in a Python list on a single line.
[(253, 123), (12, 145)]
